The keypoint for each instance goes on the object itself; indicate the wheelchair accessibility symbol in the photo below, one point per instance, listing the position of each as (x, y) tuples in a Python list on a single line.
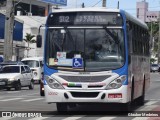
[(77, 63)]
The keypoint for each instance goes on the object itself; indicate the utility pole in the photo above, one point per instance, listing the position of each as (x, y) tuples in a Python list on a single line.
[(104, 3), (159, 40), (9, 22)]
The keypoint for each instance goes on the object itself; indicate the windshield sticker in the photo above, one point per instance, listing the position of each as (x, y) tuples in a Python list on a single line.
[(53, 61), (61, 55), (77, 56), (65, 62), (77, 63)]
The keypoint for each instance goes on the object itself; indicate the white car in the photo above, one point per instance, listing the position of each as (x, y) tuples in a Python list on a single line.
[(16, 76), (36, 65)]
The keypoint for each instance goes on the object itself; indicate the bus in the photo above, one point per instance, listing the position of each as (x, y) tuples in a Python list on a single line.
[(95, 56)]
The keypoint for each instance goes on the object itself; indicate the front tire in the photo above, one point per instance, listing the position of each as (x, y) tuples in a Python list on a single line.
[(18, 86), (141, 99), (62, 107), (31, 86)]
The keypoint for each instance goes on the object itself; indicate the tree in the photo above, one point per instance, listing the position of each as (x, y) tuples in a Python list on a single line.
[(155, 30), (29, 39)]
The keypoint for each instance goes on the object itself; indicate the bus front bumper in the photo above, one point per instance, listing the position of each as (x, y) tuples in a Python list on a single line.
[(85, 96)]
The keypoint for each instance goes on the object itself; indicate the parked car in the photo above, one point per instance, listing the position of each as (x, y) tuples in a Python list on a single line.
[(36, 65), (16, 76), (154, 68)]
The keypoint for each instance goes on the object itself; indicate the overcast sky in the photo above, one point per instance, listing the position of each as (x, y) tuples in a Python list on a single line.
[(128, 5)]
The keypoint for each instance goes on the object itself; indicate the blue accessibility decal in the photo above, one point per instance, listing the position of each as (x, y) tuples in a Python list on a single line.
[(77, 63)]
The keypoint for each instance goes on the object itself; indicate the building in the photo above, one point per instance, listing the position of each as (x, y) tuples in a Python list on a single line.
[(33, 13), (17, 36), (144, 14)]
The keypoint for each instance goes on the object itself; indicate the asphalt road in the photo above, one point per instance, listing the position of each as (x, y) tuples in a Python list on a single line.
[(31, 101)]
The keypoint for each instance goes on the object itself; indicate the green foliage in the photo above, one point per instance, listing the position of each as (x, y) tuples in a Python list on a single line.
[(155, 32), (29, 38), (152, 60)]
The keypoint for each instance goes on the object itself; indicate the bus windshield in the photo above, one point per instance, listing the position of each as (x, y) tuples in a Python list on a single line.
[(98, 48)]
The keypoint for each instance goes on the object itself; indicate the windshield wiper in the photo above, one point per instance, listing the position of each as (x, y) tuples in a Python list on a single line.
[(115, 38), (69, 33)]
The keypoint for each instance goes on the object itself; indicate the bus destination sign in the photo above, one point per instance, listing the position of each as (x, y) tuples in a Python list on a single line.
[(84, 18)]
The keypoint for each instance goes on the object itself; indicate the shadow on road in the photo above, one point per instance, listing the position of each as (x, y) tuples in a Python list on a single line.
[(95, 110)]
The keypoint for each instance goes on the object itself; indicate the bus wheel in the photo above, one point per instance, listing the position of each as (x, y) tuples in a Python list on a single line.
[(127, 107), (62, 107), (140, 100)]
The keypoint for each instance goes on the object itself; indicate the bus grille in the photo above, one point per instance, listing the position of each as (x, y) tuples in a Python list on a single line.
[(85, 94), (85, 78)]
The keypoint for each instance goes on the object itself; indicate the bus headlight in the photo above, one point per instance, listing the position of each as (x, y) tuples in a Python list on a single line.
[(53, 83), (117, 83)]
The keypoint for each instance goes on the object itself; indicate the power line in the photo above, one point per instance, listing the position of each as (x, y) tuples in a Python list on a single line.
[(97, 3)]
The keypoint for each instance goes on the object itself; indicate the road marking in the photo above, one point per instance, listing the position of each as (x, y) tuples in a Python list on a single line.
[(140, 118), (13, 91), (150, 102), (73, 118), (106, 118), (11, 99), (148, 108), (31, 94), (6, 118), (38, 118), (32, 99)]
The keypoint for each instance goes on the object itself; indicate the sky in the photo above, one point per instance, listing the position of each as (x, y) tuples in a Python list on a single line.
[(128, 5)]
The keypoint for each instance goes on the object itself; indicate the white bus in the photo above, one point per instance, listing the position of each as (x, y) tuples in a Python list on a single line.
[(36, 65), (95, 55)]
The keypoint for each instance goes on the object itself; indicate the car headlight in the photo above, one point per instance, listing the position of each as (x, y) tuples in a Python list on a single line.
[(11, 79), (35, 73), (117, 83), (53, 83)]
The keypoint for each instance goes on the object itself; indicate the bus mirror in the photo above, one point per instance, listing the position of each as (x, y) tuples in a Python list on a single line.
[(39, 41)]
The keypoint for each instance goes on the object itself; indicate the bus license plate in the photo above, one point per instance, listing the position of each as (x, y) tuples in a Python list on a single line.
[(2, 83)]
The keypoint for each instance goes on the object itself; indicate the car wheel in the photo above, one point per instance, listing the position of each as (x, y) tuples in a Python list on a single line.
[(18, 86), (31, 86), (8, 89)]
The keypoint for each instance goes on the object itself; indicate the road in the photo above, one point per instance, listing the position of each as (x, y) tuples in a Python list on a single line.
[(31, 101)]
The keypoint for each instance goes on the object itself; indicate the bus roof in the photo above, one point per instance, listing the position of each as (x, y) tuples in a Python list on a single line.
[(100, 9), (136, 20), (103, 9)]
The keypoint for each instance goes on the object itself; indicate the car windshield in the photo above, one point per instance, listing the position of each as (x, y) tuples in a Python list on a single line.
[(85, 49), (10, 69), (154, 65), (31, 63)]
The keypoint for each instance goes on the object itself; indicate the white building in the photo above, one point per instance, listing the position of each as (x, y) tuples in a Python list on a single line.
[(34, 13)]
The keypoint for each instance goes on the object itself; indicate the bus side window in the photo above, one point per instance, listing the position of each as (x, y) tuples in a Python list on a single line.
[(129, 37)]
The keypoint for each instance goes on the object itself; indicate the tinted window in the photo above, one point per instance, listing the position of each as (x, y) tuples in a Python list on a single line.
[(31, 63), (22, 69), (10, 69), (27, 69)]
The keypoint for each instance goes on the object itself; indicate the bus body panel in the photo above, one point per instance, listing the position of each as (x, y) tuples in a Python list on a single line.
[(55, 95)]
